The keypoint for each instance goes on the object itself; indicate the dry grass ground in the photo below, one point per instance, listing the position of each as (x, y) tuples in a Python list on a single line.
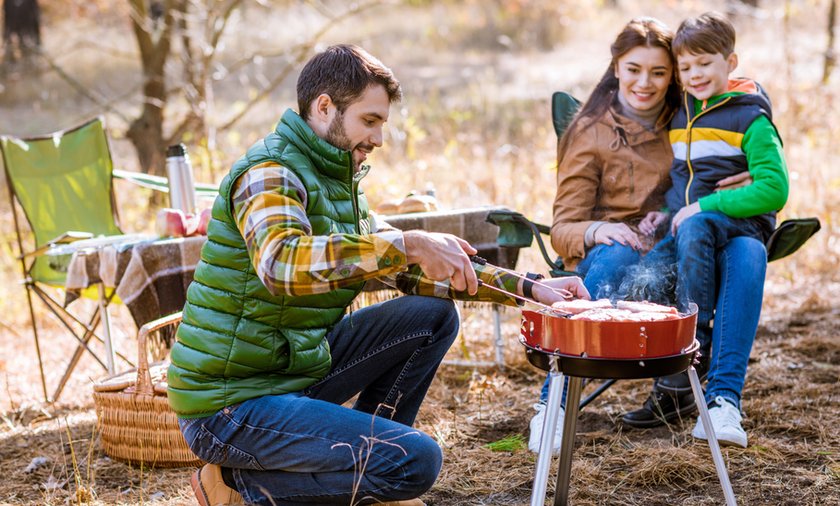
[(475, 124)]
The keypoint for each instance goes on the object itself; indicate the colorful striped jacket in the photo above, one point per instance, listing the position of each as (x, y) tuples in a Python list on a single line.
[(724, 136)]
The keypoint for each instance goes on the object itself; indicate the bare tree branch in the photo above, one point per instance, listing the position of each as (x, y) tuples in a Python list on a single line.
[(96, 98), (298, 57)]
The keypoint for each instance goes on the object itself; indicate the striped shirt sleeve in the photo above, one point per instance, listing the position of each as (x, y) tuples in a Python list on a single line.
[(269, 204)]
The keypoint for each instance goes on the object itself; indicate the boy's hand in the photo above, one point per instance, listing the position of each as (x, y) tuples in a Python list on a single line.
[(736, 181), (571, 284), (442, 257), (684, 214), (651, 222), (618, 232)]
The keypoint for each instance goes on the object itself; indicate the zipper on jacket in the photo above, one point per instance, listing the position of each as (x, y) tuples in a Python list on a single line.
[(688, 128), (355, 178), (632, 178)]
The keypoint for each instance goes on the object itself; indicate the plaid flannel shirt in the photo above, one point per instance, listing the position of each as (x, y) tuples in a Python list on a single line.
[(269, 203)]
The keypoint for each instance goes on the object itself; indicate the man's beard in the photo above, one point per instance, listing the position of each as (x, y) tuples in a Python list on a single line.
[(337, 136)]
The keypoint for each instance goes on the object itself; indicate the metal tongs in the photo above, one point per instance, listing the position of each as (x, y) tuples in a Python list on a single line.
[(544, 307)]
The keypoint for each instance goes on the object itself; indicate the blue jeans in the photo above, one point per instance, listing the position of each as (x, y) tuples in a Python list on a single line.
[(694, 251), (741, 267), (602, 269), (305, 448)]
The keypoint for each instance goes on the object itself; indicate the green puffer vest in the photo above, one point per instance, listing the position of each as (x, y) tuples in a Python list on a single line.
[(237, 341)]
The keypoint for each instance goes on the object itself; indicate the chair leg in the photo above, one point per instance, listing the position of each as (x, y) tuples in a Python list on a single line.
[(597, 392), (717, 456), (63, 316), (561, 492), (37, 342), (71, 366), (552, 413)]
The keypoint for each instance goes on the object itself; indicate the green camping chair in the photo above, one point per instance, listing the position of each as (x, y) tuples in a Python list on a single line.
[(515, 230), (63, 184)]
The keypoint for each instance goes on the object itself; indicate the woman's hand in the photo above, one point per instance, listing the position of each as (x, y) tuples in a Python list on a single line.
[(684, 214), (736, 181), (651, 222), (548, 296), (617, 232)]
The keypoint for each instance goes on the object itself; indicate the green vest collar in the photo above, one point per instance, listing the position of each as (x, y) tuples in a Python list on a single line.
[(329, 160)]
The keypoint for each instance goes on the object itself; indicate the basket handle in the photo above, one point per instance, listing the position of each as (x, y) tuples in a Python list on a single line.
[(144, 378)]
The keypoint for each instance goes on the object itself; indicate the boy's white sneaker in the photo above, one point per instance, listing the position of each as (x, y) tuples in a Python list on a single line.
[(726, 421), (537, 423)]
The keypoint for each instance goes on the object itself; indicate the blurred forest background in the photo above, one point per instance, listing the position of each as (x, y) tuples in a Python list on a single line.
[(474, 123)]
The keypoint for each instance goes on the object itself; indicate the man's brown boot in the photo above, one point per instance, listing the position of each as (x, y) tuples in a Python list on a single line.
[(410, 502), (210, 488)]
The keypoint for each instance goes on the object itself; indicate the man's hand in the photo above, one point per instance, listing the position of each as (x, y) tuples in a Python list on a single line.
[(548, 296), (684, 214), (442, 257), (618, 232), (736, 181)]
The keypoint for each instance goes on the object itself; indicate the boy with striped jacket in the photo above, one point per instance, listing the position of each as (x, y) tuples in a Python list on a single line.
[(724, 127)]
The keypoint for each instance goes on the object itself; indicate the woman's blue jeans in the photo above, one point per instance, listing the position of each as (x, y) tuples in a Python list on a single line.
[(306, 448), (602, 269)]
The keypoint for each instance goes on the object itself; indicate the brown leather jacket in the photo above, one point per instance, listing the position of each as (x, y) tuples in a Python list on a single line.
[(614, 170)]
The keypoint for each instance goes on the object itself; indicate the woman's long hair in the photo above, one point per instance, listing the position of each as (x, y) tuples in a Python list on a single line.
[(642, 31)]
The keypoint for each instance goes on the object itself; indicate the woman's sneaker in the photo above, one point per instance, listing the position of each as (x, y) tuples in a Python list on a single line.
[(726, 421), (537, 423)]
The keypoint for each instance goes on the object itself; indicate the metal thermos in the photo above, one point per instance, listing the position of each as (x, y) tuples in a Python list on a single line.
[(180, 174)]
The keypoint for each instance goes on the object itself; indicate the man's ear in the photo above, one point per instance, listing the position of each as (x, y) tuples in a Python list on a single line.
[(321, 112), (732, 61)]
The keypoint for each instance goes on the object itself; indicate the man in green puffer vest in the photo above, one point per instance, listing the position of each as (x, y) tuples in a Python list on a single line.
[(267, 352)]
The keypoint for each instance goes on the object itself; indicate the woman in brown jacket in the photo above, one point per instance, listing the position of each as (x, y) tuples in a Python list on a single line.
[(613, 170)]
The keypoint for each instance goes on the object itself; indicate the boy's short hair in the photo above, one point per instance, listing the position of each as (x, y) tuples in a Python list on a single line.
[(710, 33), (343, 72)]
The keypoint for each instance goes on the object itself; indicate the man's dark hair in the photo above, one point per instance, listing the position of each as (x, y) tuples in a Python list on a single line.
[(343, 72), (710, 33)]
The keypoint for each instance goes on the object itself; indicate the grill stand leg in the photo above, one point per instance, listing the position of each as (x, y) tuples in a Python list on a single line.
[(720, 466), (552, 412), (561, 493)]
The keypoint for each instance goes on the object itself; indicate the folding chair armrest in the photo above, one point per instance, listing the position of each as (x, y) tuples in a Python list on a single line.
[(789, 236), (161, 184), (65, 238), (518, 231)]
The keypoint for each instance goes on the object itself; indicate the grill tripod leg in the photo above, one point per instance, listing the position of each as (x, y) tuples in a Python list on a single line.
[(552, 413), (717, 456), (561, 493)]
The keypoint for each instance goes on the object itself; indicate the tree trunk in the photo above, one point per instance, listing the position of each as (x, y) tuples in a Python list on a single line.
[(830, 55), (153, 38), (21, 29), (146, 134)]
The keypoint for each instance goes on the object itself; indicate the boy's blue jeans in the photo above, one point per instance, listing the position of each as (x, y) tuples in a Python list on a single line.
[(602, 269), (741, 267), (305, 448), (694, 250)]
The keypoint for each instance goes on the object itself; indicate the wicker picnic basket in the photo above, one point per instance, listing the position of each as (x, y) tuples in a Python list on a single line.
[(135, 421)]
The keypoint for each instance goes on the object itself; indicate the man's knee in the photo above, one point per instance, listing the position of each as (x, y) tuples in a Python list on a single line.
[(441, 314), (416, 472)]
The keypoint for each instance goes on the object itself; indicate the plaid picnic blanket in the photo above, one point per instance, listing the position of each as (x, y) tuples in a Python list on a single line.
[(150, 276)]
